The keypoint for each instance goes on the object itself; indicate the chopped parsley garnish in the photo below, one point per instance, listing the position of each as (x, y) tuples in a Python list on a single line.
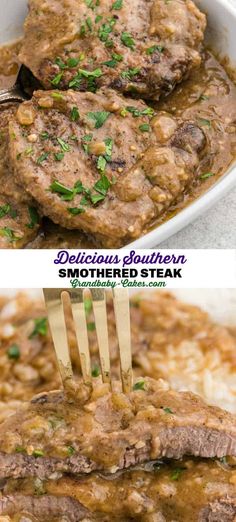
[(90, 75), (38, 453), (87, 74), (64, 146), (4, 210), (118, 57), (136, 112), (101, 188), (101, 163), (40, 327), (59, 156), (61, 189), (82, 30), (70, 450), (88, 305), (44, 135), (75, 211), (13, 352), (110, 63), (98, 19), (95, 371), (99, 117), (72, 62), (60, 63), (145, 127), (128, 40), (91, 327), (89, 23), (86, 140), (102, 160), (130, 73), (109, 146), (168, 411), (154, 48), (102, 185), (118, 4), (106, 29), (42, 158), (34, 217), (74, 115), (207, 175), (175, 475), (56, 80), (204, 122), (95, 198), (9, 233), (20, 449), (28, 151), (57, 96), (140, 385), (204, 97)]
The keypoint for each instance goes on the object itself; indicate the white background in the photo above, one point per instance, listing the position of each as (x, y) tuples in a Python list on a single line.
[(36, 269)]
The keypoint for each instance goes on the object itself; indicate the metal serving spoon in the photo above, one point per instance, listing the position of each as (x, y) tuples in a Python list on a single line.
[(23, 88)]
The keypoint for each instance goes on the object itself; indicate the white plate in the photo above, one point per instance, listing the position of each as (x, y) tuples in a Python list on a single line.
[(222, 37)]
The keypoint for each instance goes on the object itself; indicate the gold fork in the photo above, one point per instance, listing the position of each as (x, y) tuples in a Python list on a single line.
[(55, 304)]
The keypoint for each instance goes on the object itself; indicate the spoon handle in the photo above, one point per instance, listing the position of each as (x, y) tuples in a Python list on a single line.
[(11, 95)]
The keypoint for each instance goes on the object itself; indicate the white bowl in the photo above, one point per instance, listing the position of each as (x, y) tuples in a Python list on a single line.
[(222, 36)]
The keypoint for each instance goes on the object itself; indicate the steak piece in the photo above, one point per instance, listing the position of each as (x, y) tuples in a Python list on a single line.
[(19, 220), (46, 507), (111, 431), (154, 492), (143, 48), (223, 510), (95, 164)]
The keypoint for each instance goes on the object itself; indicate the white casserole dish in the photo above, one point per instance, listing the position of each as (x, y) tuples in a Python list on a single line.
[(222, 37)]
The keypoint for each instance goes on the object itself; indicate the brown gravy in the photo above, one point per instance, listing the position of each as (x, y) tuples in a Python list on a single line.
[(208, 97)]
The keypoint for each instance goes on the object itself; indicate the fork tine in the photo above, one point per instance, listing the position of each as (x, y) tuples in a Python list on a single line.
[(79, 315), (122, 314), (57, 324), (100, 315)]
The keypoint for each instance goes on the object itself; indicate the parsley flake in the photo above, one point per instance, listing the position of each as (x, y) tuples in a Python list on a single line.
[(99, 118), (40, 327), (140, 385), (128, 40), (34, 217), (13, 352)]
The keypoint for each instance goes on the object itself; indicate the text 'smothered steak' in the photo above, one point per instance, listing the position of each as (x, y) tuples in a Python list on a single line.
[(143, 48), (102, 163)]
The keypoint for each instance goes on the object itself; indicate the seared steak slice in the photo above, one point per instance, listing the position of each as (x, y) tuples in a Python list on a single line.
[(143, 48), (112, 431), (223, 510), (154, 492), (46, 507), (95, 164), (19, 220)]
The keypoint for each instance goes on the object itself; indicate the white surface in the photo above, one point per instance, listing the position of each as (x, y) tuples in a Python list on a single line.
[(12, 15), (222, 35), (214, 229)]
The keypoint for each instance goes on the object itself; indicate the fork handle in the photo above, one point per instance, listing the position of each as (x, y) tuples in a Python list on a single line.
[(11, 95)]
